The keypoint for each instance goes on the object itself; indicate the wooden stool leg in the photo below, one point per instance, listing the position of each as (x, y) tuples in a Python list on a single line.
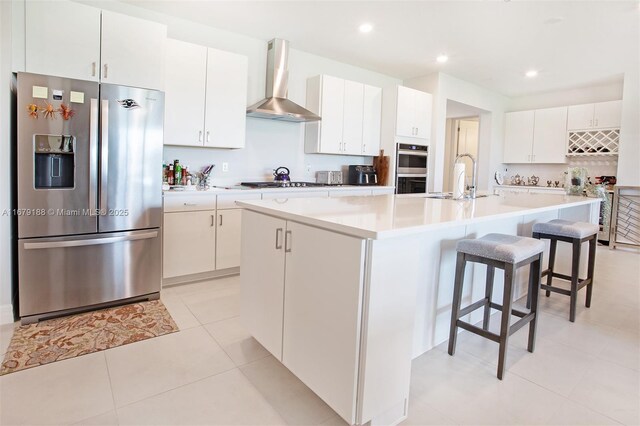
[(488, 292), (509, 281), (457, 300), (534, 285), (575, 271), (590, 269), (552, 261)]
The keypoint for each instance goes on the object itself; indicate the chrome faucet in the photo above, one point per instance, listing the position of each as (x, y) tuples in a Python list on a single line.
[(474, 184)]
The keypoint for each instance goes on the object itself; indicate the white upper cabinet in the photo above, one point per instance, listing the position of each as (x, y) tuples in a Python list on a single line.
[(550, 136), (607, 114), (351, 116), (185, 86), (413, 113), (132, 51), (371, 120), (601, 115), (518, 136), (536, 136), (226, 99), (74, 52), (93, 45), (206, 96)]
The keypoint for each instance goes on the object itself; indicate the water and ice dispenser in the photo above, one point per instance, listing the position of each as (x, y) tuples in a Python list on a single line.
[(54, 161)]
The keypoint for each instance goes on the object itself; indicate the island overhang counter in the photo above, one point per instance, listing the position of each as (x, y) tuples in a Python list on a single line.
[(345, 292)]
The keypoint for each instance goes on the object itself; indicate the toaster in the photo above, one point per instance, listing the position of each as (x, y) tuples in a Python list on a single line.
[(362, 175), (329, 177)]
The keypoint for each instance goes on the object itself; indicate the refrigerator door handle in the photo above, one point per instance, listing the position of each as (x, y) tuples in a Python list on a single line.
[(104, 165), (93, 156), (91, 241)]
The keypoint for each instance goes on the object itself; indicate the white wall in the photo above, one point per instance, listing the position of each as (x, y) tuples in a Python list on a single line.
[(269, 144), (584, 95), (444, 87), (5, 161), (629, 150)]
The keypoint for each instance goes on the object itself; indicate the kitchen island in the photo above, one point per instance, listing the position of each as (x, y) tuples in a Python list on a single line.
[(345, 292)]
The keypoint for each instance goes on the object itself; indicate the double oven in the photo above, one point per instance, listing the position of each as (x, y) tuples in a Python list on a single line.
[(411, 168)]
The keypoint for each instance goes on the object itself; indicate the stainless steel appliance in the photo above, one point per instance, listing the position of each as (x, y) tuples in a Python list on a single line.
[(280, 184), (362, 175), (605, 221), (276, 106), (89, 196), (329, 177), (411, 168)]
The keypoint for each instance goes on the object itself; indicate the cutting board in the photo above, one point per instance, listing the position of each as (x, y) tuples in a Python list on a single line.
[(381, 164)]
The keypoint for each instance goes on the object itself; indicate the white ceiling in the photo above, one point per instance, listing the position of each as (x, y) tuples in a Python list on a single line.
[(490, 43)]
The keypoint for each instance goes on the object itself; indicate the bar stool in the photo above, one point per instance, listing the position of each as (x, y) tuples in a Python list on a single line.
[(574, 233), (506, 252)]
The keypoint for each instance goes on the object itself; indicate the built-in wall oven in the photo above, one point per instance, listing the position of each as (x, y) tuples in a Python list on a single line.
[(411, 168)]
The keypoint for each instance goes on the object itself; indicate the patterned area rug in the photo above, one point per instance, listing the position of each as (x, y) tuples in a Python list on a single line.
[(68, 337)]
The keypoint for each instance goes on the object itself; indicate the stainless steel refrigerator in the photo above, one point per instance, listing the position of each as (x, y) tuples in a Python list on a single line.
[(88, 194)]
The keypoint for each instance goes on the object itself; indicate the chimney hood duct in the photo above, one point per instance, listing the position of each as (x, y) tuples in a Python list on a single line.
[(276, 106)]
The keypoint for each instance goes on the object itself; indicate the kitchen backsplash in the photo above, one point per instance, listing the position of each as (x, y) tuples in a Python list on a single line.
[(269, 144), (605, 166)]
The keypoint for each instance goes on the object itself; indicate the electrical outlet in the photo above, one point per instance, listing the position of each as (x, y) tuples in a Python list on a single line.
[(225, 167)]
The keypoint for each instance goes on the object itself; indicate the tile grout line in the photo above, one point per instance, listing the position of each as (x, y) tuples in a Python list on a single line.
[(177, 387), (113, 397)]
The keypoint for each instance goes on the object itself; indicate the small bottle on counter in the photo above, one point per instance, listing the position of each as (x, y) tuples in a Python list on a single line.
[(170, 175), (185, 174), (177, 172), (164, 172)]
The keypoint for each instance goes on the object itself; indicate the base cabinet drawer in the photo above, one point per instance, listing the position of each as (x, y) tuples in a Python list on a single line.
[(189, 245)]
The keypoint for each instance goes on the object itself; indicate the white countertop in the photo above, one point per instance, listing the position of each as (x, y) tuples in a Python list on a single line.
[(387, 216), (559, 188), (240, 190)]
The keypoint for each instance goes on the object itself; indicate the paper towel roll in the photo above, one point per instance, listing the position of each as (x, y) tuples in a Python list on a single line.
[(458, 180)]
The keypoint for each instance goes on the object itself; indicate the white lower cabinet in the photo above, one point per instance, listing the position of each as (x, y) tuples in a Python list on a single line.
[(189, 243), (302, 300), (228, 238), (262, 285)]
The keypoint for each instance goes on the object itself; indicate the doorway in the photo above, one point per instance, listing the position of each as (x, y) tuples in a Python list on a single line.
[(462, 137)]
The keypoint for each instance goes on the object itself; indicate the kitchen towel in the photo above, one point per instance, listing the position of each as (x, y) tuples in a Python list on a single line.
[(458, 180)]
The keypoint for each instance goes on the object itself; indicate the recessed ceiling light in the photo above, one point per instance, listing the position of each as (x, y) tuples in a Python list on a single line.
[(365, 28), (531, 73), (442, 58)]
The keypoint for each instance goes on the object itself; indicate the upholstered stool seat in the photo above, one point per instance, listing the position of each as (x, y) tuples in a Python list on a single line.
[(505, 248), (574, 233), (506, 252), (566, 228)]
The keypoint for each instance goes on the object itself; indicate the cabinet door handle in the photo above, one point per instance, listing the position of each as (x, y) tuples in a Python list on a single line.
[(278, 238), (213, 221), (190, 204), (344, 146), (221, 220), (288, 239), (364, 147), (590, 123), (106, 69), (417, 131), (200, 136), (93, 69), (208, 134)]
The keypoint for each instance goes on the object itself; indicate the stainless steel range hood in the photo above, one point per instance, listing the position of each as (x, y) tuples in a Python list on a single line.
[(276, 106)]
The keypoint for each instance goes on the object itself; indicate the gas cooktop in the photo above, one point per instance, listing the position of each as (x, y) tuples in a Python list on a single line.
[(281, 184)]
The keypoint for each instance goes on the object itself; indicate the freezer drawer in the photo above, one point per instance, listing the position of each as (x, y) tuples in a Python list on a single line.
[(57, 274)]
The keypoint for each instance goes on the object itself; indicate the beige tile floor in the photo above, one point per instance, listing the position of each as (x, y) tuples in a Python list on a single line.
[(213, 372)]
